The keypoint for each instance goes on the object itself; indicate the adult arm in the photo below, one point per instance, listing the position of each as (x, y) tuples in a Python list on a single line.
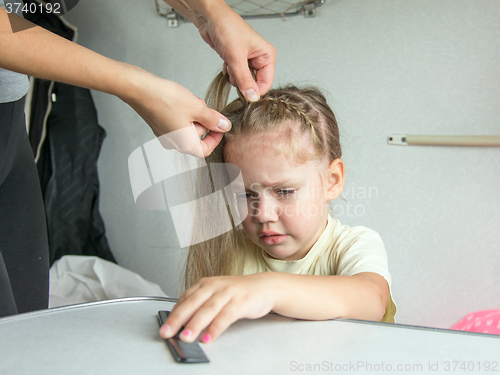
[(165, 105), (217, 302), (235, 42)]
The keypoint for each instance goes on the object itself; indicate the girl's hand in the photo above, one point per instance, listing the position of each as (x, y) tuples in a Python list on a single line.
[(216, 303)]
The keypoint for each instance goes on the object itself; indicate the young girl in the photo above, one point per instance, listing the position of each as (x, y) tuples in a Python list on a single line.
[(291, 256)]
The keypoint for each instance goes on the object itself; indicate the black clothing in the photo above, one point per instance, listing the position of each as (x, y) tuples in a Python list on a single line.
[(24, 256), (67, 166)]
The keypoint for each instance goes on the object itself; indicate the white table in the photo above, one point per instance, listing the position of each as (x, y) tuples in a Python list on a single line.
[(121, 337)]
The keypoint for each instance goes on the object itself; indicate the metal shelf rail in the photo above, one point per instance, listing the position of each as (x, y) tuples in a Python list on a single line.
[(444, 140)]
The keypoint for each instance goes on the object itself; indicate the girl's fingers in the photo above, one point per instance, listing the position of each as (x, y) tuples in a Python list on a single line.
[(183, 310), (202, 318), (186, 294), (227, 316), (215, 303)]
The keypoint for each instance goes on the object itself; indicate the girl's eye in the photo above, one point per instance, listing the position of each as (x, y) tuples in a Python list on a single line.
[(245, 196), (285, 192)]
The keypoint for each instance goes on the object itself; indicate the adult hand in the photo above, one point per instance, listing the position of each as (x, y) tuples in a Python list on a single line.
[(235, 42), (169, 109), (216, 303), (240, 47), (166, 106)]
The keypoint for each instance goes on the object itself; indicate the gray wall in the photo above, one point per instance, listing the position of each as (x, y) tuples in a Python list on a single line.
[(389, 66)]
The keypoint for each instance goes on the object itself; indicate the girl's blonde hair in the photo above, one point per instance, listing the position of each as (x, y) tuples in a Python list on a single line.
[(293, 112)]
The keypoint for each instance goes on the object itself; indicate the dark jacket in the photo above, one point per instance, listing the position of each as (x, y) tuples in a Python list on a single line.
[(66, 140)]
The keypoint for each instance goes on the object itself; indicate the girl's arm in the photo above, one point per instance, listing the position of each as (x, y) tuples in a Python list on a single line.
[(217, 302), (362, 296)]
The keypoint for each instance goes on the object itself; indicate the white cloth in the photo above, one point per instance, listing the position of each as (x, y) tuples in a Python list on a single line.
[(79, 279)]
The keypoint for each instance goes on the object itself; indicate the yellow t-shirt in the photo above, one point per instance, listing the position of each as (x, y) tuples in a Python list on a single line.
[(340, 250)]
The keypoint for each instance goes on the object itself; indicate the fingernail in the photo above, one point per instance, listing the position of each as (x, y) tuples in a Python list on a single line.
[(186, 333), (165, 330), (224, 125), (207, 338), (252, 95)]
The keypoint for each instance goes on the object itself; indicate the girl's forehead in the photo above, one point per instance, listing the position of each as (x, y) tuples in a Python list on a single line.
[(265, 144), (255, 152), (268, 165), (272, 146)]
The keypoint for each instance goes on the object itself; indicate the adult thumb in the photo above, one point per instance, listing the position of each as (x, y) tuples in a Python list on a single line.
[(213, 120), (245, 81)]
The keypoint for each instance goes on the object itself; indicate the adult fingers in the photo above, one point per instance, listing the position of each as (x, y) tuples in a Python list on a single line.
[(265, 77), (212, 120), (184, 140), (244, 79), (231, 76), (210, 142), (200, 129), (263, 62)]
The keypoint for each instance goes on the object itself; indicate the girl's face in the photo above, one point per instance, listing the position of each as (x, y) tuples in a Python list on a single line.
[(287, 202)]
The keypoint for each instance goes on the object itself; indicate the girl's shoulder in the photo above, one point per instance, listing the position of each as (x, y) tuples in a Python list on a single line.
[(345, 236)]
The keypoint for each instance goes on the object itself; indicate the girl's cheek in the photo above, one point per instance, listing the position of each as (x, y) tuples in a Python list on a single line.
[(293, 210), (247, 226), (306, 211)]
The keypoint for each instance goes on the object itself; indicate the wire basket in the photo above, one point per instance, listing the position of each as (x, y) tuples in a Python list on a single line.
[(251, 9)]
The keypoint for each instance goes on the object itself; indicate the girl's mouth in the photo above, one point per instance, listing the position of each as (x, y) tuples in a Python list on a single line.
[(274, 239)]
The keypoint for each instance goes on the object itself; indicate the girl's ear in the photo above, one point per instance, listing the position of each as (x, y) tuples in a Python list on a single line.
[(335, 179)]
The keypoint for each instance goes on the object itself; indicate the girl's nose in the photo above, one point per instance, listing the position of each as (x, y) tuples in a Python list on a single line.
[(267, 210)]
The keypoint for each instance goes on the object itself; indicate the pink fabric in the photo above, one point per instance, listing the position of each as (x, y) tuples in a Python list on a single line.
[(487, 321)]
